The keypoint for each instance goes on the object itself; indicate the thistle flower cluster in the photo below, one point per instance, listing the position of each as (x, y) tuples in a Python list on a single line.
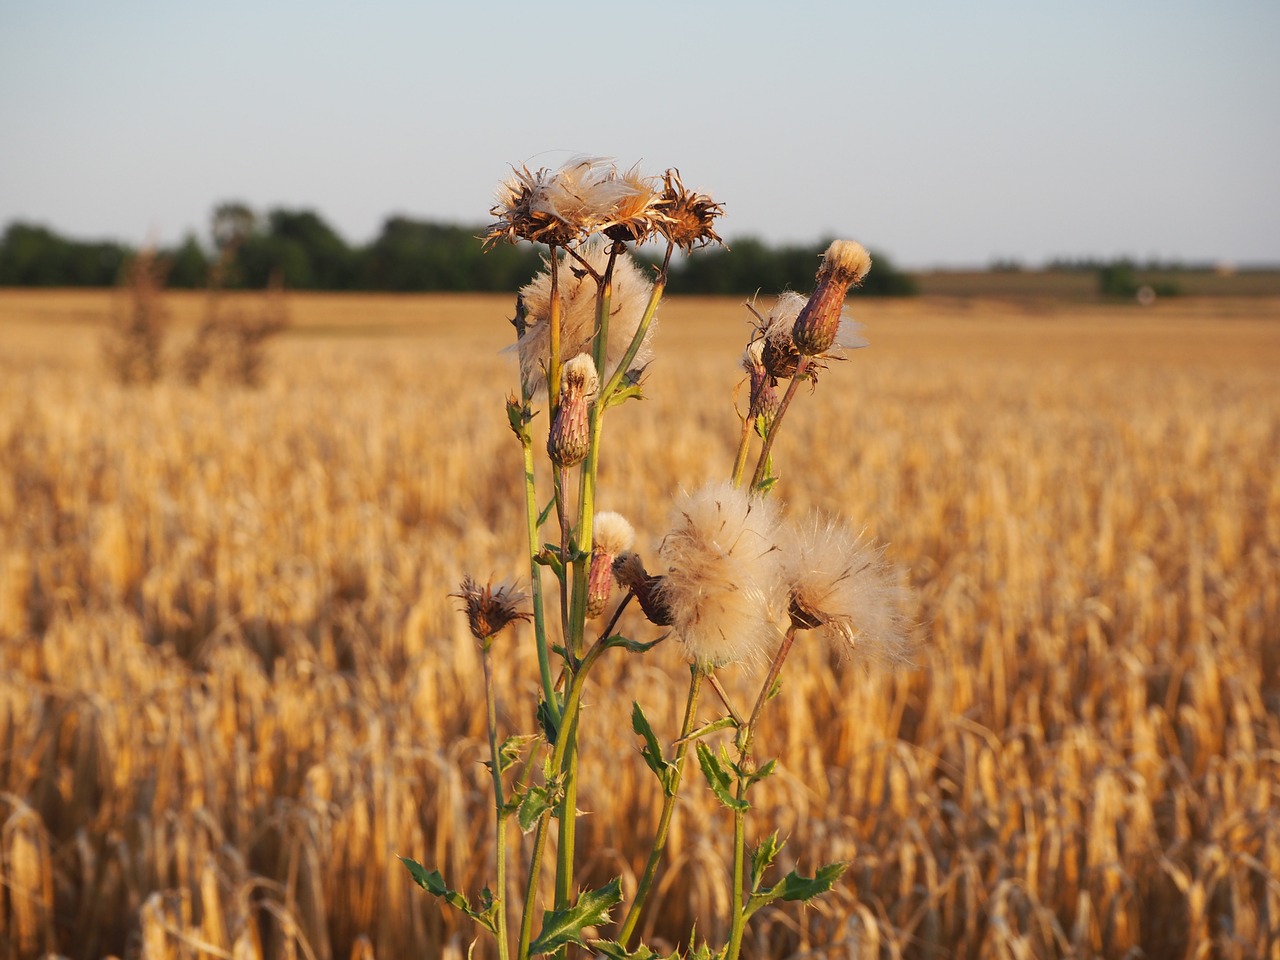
[(589, 195), (733, 581)]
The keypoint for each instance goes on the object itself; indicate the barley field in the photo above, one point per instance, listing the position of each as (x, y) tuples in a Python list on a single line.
[(233, 688)]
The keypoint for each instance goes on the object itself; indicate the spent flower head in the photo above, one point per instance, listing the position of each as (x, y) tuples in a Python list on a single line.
[(488, 610), (688, 216), (631, 291), (721, 582), (841, 585)]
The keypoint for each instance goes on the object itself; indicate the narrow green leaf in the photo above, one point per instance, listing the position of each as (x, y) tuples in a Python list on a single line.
[(719, 781), (709, 728), (651, 751), (542, 517), (623, 394), (762, 856), (560, 927), (634, 646)]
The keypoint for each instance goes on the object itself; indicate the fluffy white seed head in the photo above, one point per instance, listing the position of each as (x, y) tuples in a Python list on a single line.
[(841, 585), (846, 259), (631, 291), (612, 533), (721, 579)]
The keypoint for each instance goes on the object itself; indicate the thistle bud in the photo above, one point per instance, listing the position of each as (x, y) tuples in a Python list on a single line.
[(613, 534), (844, 264), (570, 435)]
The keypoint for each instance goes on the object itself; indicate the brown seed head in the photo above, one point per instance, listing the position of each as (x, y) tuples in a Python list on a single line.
[(688, 216), (489, 610)]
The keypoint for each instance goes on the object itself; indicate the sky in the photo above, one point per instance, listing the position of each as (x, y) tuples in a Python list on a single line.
[(939, 133)]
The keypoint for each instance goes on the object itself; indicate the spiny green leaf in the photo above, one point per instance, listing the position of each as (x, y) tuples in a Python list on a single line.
[(765, 770), (762, 856), (434, 884), (795, 887), (533, 803), (631, 391), (612, 950), (719, 781), (560, 927), (509, 751)]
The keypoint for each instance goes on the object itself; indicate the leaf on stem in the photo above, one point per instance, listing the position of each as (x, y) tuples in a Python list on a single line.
[(612, 950), (795, 887), (718, 778), (509, 752), (549, 721), (762, 856), (560, 927), (709, 728), (433, 883), (634, 646), (532, 804), (652, 750)]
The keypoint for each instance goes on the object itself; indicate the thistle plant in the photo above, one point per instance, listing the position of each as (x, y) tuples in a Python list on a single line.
[(734, 581)]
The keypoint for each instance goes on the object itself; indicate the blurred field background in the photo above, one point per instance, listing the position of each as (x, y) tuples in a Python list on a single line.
[(233, 690)]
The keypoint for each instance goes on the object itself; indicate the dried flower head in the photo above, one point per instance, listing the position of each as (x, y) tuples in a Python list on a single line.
[(816, 328), (688, 215), (631, 290), (489, 610), (569, 438), (612, 535), (636, 210), (554, 207), (722, 574), (841, 585), (629, 571)]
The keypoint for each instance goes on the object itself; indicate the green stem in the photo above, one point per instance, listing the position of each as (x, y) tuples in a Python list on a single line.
[(744, 446), (739, 859), (668, 808), (553, 321), (500, 815), (535, 569), (659, 285), (531, 886), (763, 462), (774, 669)]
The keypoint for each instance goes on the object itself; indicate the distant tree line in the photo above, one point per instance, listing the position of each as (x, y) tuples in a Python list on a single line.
[(300, 250)]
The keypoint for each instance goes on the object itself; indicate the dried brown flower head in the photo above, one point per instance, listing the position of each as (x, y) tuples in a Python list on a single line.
[(555, 207), (637, 208), (687, 216), (489, 610)]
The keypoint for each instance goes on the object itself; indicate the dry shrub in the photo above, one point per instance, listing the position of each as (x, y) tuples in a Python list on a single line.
[(231, 341), (135, 346)]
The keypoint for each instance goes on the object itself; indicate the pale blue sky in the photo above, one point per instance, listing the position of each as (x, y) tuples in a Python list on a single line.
[(940, 133)]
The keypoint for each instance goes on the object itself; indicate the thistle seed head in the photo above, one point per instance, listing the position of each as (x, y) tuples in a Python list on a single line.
[(631, 291), (722, 584), (840, 584)]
